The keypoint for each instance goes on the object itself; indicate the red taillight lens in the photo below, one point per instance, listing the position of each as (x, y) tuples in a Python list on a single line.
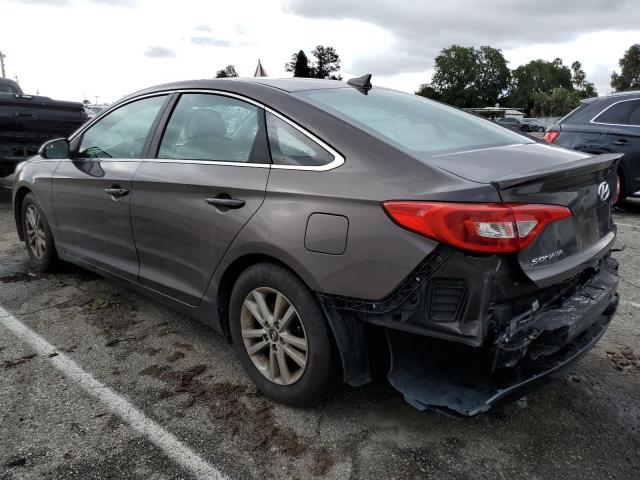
[(550, 137), (490, 227), (616, 195)]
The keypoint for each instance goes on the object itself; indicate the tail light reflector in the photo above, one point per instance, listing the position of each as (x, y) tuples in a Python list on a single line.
[(550, 136), (489, 228)]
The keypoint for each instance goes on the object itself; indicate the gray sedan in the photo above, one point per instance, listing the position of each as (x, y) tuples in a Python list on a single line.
[(321, 225)]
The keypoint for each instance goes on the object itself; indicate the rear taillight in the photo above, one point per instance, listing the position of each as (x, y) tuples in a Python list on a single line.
[(616, 195), (489, 227), (550, 136)]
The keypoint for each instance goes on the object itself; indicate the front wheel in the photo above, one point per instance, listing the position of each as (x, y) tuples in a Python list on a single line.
[(37, 234), (281, 336)]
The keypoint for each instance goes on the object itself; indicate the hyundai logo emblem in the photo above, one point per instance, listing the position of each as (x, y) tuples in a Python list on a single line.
[(603, 191)]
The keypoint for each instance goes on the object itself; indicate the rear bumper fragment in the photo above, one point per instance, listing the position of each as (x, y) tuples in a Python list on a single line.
[(459, 379)]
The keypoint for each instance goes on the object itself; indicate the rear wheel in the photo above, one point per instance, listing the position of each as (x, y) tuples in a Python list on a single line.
[(281, 336), (37, 234)]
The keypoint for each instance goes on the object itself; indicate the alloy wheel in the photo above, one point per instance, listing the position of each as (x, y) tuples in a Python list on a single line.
[(274, 336), (35, 232)]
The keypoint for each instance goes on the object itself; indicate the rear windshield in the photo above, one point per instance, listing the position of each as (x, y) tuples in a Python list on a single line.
[(413, 123)]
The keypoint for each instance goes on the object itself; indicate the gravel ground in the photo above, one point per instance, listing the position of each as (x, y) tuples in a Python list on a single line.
[(585, 424)]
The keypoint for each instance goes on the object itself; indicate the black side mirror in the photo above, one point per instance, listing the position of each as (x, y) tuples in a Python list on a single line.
[(55, 149)]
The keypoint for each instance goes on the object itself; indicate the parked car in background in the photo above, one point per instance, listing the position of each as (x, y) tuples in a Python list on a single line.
[(534, 125), (93, 110), (517, 124), (27, 121), (305, 219), (609, 124)]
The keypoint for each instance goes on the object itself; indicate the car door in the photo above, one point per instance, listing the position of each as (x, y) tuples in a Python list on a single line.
[(207, 180), (92, 191), (623, 136)]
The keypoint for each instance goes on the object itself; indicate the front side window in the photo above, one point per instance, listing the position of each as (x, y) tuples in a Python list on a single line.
[(412, 123), (289, 146), (211, 127), (123, 132), (618, 113)]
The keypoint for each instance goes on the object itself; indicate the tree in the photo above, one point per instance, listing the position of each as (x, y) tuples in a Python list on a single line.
[(585, 89), (468, 77), (426, 90), (629, 76), (535, 77), (327, 64), (299, 65), (228, 72), (556, 103)]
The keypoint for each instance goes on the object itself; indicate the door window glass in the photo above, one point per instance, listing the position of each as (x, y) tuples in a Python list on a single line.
[(211, 127), (617, 114), (123, 132), (289, 146), (634, 116)]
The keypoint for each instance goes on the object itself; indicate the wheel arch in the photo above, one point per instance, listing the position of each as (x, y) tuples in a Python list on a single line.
[(18, 200)]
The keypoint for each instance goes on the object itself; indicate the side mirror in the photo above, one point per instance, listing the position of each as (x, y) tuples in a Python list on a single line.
[(55, 149)]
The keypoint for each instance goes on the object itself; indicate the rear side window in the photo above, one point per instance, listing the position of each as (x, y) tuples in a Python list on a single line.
[(289, 146), (211, 127), (123, 132), (634, 116), (618, 113), (410, 122)]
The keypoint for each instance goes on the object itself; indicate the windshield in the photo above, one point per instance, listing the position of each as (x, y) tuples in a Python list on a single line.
[(410, 122)]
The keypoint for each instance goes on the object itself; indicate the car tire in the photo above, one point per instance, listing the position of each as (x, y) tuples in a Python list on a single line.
[(524, 128), (541, 129), (37, 235), (261, 345)]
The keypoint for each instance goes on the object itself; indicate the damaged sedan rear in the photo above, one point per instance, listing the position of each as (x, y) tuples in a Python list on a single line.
[(305, 219)]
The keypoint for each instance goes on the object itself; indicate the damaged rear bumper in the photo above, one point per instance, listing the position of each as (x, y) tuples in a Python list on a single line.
[(533, 346)]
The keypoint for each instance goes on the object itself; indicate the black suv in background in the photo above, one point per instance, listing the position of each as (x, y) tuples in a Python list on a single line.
[(605, 125)]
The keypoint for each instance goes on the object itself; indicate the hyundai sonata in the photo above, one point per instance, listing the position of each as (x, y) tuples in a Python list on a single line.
[(306, 220)]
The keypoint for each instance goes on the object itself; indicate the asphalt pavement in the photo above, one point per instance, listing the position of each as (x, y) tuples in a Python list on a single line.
[(99, 382)]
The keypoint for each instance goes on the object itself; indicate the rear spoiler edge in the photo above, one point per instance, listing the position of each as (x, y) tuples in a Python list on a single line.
[(564, 170)]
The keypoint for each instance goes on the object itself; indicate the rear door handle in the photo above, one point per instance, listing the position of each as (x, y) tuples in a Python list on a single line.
[(225, 202), (116, 192), (622, 141)]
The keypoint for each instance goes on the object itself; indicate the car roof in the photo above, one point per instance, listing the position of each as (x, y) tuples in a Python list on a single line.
[(247, 84)]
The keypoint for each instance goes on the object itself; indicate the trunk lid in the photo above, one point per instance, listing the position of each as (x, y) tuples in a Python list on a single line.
[(542, 174)]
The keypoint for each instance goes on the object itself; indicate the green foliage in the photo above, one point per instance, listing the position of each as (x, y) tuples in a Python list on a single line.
[(537, 76), (585, 89), (228, 72), (326, 65), (468, 77), (299, 65), (629, 76), (556, 103)]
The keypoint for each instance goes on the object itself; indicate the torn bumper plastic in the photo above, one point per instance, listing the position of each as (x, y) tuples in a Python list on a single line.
[(463, 380)]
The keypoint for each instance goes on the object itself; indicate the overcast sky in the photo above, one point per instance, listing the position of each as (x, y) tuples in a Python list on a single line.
[(69, 49)]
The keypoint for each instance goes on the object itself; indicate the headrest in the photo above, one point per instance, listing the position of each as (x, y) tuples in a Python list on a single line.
[(204, 123)]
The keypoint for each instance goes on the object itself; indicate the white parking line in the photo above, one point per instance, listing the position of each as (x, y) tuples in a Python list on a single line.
[(117, 404), (627, 225), (632, 304)]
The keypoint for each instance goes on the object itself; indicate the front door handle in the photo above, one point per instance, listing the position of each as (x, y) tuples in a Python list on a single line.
[(116, 192), (225, 202), (622, 141)]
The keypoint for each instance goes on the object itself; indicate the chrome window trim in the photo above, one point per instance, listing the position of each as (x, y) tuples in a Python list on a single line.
[(338, 159), (593, 120)]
